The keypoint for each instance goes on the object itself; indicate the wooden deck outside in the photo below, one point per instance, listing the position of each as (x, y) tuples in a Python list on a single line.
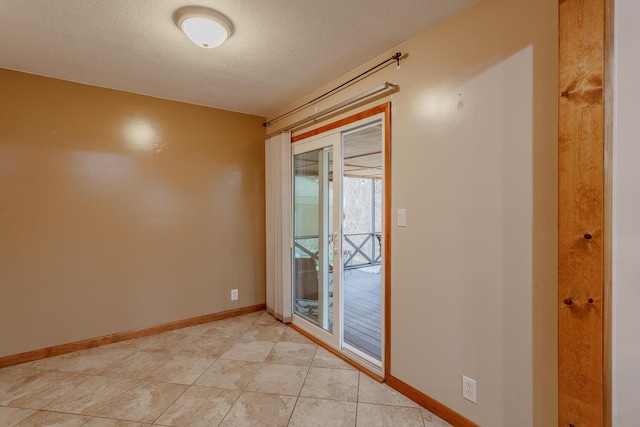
[(363, 311)]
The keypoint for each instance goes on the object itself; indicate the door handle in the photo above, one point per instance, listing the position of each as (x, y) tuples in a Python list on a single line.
[(335, 237)]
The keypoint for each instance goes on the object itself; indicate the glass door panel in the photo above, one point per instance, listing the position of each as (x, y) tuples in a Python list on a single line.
[(313, 226), (362, 290)]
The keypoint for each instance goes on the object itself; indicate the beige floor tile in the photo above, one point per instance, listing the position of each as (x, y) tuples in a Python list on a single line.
[(140, 343), (332, 384), (51, 363), (90, 361), (134, 344), (144, 402), (181, 370), (291, 353), (232, 325), (136, 365), (9, 376), (199, 407), (221, 333), (267, 319), (91, 396), (27, 366), (264, 332), (291, 335), (167, 343), (193, 330), (209, 347), (237, 320), (253, 314), (108, 422), (229, 374), (260, 410), (9, 417), (278, 379), (432, 420), (94, 360), (50, 419), (370, 415), (250, 351), (371, 391), (204, 328), (36, 389), (325, 359), (246, 319), (317, 412)]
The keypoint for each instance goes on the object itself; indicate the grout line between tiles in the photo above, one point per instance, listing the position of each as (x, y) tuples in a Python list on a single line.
[(231, 407), (293, 409), (169, 406)]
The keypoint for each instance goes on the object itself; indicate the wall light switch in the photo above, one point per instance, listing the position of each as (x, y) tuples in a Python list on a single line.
[(402, 217)]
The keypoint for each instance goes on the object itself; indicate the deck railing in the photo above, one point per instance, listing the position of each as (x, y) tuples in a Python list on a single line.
[(358, 249)]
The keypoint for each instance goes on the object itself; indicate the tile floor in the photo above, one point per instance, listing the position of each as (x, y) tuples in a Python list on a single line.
[(249, 370)]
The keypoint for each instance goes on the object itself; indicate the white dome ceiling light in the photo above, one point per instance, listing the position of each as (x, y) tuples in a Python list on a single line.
[(205, 27)]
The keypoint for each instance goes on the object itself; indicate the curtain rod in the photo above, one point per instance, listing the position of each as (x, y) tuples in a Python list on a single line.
[(349, 101), (397, 57)]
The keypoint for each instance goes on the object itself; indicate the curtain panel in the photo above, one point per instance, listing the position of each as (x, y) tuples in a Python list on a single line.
[(278, 223)]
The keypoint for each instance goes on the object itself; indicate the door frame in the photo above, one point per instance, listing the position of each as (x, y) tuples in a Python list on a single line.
[(385, 110)]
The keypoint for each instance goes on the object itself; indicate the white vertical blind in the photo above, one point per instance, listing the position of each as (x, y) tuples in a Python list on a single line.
[(278, 217)]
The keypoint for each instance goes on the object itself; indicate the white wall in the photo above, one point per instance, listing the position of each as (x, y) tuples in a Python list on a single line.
[(474, 162), (626, 212)]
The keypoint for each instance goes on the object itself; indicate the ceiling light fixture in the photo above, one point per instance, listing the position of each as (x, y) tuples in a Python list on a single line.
[(205, 27)]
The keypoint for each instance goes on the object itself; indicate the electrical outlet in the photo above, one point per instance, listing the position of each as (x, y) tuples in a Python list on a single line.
[(234, 294), (469, 390)]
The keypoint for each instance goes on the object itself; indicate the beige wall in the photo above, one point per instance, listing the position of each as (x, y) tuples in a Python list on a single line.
[(474, 162), (120, 211)]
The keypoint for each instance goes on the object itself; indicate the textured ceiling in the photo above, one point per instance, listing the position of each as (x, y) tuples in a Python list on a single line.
[(280, 50)]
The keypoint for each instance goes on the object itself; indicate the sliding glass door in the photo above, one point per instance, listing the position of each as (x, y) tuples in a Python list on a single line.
[(316, 225), (338, 243)]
